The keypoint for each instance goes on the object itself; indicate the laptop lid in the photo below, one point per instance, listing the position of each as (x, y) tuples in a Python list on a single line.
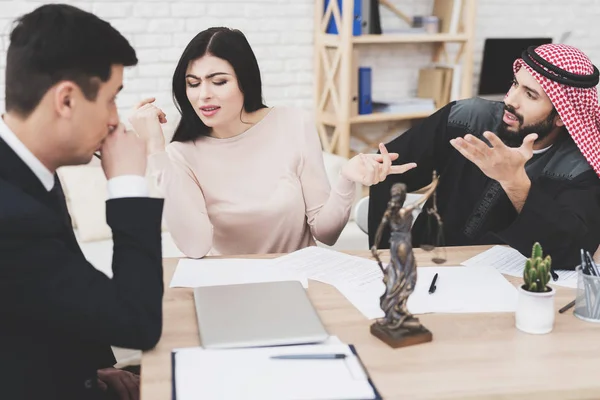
[(256, 314)]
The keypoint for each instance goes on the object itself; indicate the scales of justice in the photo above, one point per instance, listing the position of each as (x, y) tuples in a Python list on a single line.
[(398, 327)]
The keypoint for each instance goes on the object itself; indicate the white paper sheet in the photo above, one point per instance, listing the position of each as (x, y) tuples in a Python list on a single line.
[(462, 290), (252, 374), (458, 290), (331, 267), (231, 271), (510, 262), (365, 298)]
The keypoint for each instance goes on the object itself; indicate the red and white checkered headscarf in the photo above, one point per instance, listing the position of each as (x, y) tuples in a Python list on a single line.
[(577, 107)]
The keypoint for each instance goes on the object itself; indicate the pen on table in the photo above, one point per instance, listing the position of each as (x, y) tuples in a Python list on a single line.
[(565, 308), (432, 287), (337, 356), (97, 156)]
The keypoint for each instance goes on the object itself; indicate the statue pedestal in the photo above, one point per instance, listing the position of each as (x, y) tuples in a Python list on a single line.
[(401, 337)]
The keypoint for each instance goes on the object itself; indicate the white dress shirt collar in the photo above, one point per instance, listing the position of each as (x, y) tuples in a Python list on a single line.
[(43, 173), (540, 151)]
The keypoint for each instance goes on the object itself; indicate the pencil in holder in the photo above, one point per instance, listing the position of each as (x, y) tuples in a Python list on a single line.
[(587, 302)]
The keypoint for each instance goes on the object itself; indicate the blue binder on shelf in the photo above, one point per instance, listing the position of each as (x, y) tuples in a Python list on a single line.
[(356, 21), (365, 104)]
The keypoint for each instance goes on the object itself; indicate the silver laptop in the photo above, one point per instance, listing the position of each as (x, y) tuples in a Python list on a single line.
[(256, 314)]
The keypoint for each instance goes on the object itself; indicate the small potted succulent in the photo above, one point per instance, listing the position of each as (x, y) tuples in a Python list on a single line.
[(535, 304)]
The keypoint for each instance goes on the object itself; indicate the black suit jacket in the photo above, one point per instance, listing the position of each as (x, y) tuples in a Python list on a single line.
[(59, 315)]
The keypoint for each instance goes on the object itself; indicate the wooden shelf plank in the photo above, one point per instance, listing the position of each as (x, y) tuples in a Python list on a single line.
[(410, 38), (330, 119), (384, 117), (334, 40)]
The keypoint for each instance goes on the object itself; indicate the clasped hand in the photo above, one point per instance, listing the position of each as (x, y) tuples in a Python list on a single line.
[(370, 169), (123, 384), (499, 162)]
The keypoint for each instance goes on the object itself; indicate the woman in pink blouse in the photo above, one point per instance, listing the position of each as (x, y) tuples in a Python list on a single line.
[(240, 177)]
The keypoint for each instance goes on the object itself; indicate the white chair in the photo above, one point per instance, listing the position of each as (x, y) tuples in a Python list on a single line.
[(361, 210), (361, 214)]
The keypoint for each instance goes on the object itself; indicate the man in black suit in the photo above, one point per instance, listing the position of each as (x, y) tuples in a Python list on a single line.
[(59, 315)]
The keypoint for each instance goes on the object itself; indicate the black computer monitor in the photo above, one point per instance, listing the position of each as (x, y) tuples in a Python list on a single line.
[(498, 57)]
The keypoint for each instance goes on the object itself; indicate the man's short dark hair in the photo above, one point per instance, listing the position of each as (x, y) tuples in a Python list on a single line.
[(58, 42)]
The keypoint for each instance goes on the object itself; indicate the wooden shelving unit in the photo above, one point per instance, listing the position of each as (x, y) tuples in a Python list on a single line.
[(336, 63)]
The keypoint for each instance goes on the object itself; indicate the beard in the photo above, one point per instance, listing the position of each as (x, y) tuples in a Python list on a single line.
[(515, 139)]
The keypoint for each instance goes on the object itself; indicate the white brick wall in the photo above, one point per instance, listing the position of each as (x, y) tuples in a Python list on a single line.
[(281, 31)]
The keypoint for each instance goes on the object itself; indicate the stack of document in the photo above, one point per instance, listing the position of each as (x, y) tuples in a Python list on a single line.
[(360, 280), (476, 287), (327, 371), (405, 105)]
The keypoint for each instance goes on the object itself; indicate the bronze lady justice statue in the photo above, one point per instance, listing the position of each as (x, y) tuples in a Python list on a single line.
[(399, 328)]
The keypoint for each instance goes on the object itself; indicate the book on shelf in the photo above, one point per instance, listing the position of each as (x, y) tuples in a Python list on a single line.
[(407, 31), (449, 13), (366, 19), (354, 83), (365, 105), (408, 105), (374, 18), (455, 80), (436, 83), (332, 27)]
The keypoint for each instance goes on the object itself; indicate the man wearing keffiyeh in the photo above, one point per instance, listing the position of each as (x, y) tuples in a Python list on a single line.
[(513, 172)]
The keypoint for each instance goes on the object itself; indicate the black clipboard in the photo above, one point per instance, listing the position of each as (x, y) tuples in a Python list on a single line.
[(351, 346)]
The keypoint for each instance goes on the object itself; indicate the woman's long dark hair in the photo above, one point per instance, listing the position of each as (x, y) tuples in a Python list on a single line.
[(230, 45)]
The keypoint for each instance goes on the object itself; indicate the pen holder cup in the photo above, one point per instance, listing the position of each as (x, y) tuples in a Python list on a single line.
[(587, 302)]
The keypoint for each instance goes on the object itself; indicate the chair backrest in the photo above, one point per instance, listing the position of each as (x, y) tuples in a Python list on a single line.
[(361, 214), (361, 210)]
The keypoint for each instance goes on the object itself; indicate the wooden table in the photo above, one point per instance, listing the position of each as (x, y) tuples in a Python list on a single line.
[(472, 356)]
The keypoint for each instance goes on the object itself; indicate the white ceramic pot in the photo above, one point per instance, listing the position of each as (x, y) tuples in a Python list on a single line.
[(535, 311)]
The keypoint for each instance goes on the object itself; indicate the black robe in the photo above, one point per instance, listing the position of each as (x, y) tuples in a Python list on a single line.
[(562, 210)]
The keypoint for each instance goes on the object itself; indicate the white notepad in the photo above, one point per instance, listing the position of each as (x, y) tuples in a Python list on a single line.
[(252, 374)]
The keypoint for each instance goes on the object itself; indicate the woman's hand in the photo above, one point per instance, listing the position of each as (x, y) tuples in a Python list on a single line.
[(370, 169), (145, 120)]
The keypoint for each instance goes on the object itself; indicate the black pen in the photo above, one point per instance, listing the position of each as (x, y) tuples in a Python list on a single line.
[(584, 264), (98, 156), (565, 308), (336, 356), (432, 287), (592, 265)]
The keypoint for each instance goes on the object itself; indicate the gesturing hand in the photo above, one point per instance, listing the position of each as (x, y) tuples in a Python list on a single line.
[(146, 119), (369, 169), (499, 162)]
